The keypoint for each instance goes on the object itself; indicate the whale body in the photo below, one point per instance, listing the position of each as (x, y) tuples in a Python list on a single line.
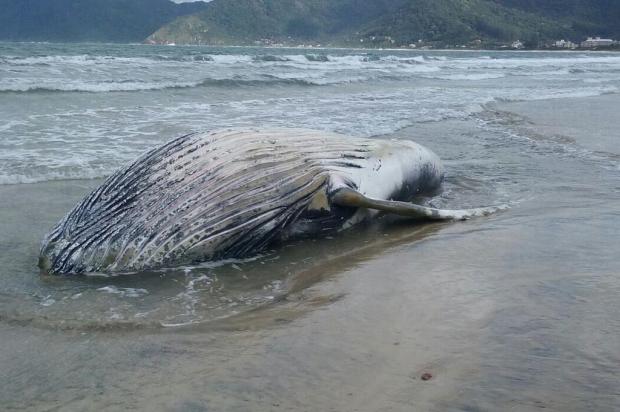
[(231, 194)]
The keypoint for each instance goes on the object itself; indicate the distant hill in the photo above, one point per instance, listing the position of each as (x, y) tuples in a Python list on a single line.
[(582, 17), (396, 22), (336, 22), (87, 20)]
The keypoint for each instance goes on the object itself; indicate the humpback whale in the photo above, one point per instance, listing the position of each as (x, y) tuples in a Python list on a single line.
[(232, 193)]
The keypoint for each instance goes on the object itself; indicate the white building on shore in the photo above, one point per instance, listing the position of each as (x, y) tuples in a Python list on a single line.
[(597, 42), (565, 44)]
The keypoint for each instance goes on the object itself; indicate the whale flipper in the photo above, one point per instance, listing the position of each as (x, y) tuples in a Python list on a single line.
[(352, 198)]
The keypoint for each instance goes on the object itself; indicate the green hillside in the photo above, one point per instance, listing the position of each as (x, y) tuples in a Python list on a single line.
[(372, 23), (397, 22)]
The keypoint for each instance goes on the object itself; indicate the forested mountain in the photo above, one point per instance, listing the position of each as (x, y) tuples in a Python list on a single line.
[(87, 20), (336, 22), (436, 22), (582, 16)]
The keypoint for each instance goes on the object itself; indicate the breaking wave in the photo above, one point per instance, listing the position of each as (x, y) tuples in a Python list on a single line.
[(131, 86), (471, 76), (316, 58)]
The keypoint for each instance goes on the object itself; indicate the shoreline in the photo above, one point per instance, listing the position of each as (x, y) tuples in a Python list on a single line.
[(341, 48)]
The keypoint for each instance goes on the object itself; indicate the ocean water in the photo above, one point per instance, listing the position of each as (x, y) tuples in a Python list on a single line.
[(515, 311), (105, 104)]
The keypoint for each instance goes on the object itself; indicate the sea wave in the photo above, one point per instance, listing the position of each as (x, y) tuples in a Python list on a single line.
[(316, 57), (84, 173), (82, 60), (269, 58), (100, 87), (131, 85), (468, 76), (86, 60), (553, 72), (560, 94), (496, 62)]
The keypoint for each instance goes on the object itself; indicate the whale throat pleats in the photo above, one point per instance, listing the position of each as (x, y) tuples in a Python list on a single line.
[(201, 196)]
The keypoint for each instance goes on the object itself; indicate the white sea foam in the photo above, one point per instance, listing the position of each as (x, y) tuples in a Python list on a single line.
[(469, 76), (124, 292), (16, 85), (559, 72), (561, 94), (8, 178), (231, 58), (81, 60)]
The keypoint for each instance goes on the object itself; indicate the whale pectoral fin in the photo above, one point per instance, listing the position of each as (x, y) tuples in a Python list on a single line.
[(352, 198)]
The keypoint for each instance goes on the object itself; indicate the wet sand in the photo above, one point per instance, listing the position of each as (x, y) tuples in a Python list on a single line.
[(518, 311), (592, 122)]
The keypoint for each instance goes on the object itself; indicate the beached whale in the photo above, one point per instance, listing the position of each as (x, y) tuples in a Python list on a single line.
[(226, 194)]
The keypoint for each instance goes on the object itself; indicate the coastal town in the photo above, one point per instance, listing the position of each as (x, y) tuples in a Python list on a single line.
[(589, 43)]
